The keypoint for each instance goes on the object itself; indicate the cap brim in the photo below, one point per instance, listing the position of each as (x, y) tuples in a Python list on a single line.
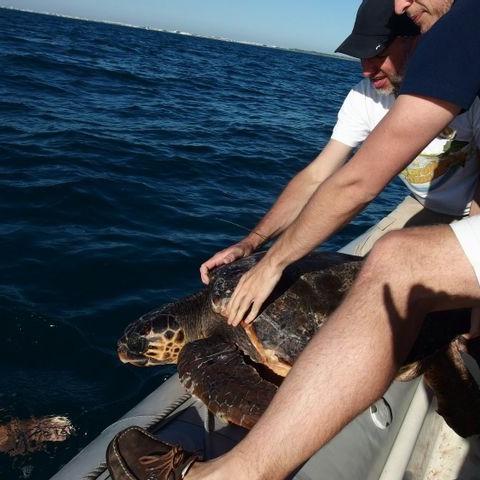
[(363, 46)]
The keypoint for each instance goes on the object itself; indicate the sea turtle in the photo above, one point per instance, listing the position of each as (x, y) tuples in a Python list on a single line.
[(236, 371)]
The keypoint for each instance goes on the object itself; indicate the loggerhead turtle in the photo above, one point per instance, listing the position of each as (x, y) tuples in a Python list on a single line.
[(236, 371)]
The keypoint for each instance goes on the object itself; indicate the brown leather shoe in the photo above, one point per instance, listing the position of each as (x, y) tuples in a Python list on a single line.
[(135, 454)]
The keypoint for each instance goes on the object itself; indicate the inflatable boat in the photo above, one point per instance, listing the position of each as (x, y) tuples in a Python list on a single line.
[(400, 437)]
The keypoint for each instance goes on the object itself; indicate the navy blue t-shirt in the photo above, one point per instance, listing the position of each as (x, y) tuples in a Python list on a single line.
[(446, 62)]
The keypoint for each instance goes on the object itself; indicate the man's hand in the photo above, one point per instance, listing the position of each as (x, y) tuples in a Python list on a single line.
[(251, 292), (228, 255)]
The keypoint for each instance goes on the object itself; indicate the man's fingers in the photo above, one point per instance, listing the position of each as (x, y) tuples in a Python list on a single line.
[(236, 307), (232, 306), (229, 258), (241, 310), (217, 260), (220, 258), (250, 293), (254, 311), (205, 269), (204, 274)]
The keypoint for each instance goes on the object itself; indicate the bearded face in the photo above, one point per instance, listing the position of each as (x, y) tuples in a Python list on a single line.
[(385, 71)]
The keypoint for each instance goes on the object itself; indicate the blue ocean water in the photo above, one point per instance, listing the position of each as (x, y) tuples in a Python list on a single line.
[(124, 153)]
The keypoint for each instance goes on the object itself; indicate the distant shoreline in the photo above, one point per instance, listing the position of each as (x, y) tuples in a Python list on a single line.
[(188, 34)]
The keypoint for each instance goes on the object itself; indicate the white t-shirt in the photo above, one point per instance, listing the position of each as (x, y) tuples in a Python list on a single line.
[(444, 176)]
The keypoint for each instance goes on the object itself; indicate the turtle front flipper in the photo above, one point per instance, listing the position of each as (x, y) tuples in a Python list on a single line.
[(216, 372)]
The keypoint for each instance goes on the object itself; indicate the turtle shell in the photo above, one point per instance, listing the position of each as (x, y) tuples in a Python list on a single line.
[(309, 290)]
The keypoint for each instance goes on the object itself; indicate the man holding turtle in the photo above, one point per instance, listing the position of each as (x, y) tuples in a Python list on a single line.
[(408, 273), (442, 179)]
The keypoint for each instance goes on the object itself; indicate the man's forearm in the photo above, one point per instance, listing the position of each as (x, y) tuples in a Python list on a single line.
[(385, 153), (332, 205), (401, 136), (285, 210), (298, 192)]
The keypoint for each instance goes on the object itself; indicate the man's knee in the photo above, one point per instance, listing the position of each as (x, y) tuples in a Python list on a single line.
[(395, 264), (391, 250), (423, 264), (409, 247)]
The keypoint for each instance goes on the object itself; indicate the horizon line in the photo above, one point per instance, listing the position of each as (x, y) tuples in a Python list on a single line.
[(179, 32)]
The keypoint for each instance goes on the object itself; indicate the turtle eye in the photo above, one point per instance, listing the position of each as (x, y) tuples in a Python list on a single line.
[(137, 344), (138, 328)]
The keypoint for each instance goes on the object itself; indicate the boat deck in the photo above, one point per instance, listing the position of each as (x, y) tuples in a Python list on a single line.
[(360, 451)]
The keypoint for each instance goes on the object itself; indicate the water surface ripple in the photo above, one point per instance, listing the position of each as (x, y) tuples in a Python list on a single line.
[(122, 152)]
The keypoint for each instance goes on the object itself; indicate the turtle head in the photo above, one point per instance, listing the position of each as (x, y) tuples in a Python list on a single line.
[(156, 338)]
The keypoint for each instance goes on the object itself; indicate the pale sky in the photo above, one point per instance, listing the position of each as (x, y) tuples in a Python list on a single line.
[(319, 25)]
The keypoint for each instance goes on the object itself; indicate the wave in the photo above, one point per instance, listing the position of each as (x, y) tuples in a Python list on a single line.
[(125, 153)]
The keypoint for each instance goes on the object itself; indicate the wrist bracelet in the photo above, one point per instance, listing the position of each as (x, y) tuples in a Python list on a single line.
[(260, 235)]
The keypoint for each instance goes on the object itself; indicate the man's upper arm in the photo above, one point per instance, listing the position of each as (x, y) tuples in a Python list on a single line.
[(410, 125)]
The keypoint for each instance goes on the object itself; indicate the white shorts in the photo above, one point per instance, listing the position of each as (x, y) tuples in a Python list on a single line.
[(467, 231), (409, 213)]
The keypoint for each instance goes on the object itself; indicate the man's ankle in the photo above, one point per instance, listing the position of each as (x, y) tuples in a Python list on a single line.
[(228, 466)]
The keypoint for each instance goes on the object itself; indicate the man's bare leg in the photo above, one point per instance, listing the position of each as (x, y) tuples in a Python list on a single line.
[(351, 362)]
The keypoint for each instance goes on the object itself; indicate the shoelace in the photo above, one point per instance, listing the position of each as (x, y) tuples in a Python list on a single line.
[(163, 464)]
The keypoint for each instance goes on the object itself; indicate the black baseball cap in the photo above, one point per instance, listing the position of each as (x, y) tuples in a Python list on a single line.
[(375, 27)]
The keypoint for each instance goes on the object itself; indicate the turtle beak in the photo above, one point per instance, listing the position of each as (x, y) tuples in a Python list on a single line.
[(138, 360), (135, 344), (126, 355)]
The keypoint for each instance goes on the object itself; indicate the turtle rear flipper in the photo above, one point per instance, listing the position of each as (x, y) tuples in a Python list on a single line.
[(216, 372), (438, 331)]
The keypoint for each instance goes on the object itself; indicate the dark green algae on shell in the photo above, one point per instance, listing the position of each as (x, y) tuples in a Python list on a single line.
[(308, 291)]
